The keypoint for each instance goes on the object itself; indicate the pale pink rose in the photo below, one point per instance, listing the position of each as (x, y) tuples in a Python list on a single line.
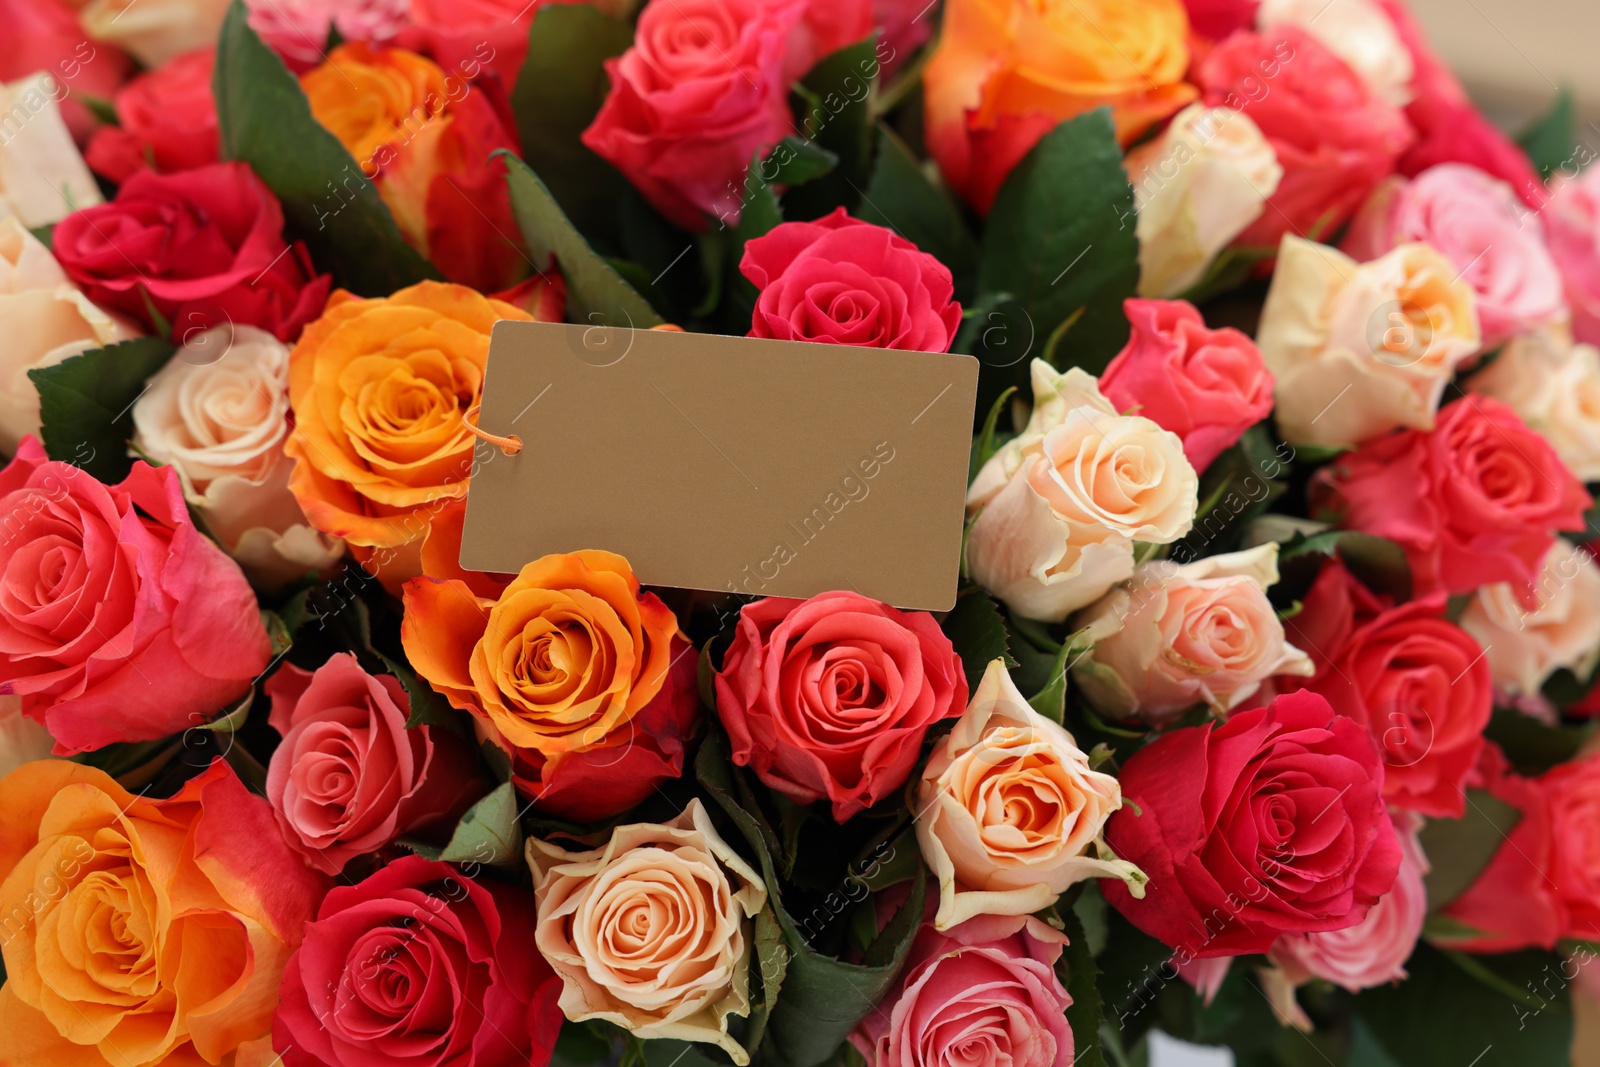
[(1205, 976), (1478, 223), (1178, 636), (1572, 226), (46, 320), (1374, 951), (22, 740), (349, 777), (1359, 349), (154, 31), (1061, 505), (1359, 32), (298, 29), (1009, 811), (983, 994), (1526, 644), (651, 931), (218, 414), (43, 179), (1555, 386)]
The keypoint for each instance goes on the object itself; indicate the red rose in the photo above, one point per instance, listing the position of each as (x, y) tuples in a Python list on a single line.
[(349, 777), (1419, 682), (1207, 386), (119, 621), (1216, 19), (698, 94), (204, 247), (1271, 823), (46, 35), (1334, 137), (1476, 500), (830, 697), (168, 120), (466, 36), (842, 281), (419, 965)]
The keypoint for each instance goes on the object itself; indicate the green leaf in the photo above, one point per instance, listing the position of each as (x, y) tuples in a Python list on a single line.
[(231, 718), (86, 404), (772, 963), (983, 444), (580, 1044), (558, 92), (1234, 266), (977, 633), (1059, 239), (1239, 485), (1379, 562), (428, 708), (1532, 746), (488, 832), (1051, 701), (838, 118), (1550, 138), (902, 196), (595, 292), (265, 120), (1077, 971), (45, 235), (795, 161), (1459, 849)]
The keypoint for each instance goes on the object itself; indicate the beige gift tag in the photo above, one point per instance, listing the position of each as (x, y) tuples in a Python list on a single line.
[(773, 468)]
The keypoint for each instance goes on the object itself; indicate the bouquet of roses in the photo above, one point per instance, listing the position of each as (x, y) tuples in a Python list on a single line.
[(1264, 716)]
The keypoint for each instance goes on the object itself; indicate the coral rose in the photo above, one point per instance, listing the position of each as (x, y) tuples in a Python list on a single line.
[(1360, 349), (379, 389), (842, 281), (1416, 680), (141, 931), (1359, 32), (1554, 385), (1474, 502), (984, 992), (42, 177), (830, 698), (1059, 507), (1525, 644), (1271, 823), (418, 966), (1178, 636), (584, 680), (166, 120), (1008, 810), (651, 931), (1207, 386), (1006, 72), (119, 621)]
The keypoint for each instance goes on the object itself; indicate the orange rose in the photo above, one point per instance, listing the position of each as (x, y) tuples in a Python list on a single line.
[(141, 931), (1006, 72), (379, 388), (574, 672), (425, 137)]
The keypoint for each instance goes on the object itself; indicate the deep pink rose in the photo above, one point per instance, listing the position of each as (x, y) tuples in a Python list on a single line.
[(204, 247), (298, 29), (1216, 19), (826, 27), (348, 776), (696, 96), (466, 36), (45, 35), (167, 119), (906, 26), (1207, 386), (1474, 501), (119, 621), (842, 281), (1572, 226), (1333, 135), (831, 697), (419, 966), (981, 994), (1479, 224), (1271, 823)]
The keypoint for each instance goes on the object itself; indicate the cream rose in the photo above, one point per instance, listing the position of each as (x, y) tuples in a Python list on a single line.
[(1526, 645), (1359, 349), (1196, 187), (1359, 32), (46, 320), (43, 179), (1009, 809), (651, 932), (22, 740), (154, 30), (1555, 386), (218, 414), (1177, 636), (1060, 506)]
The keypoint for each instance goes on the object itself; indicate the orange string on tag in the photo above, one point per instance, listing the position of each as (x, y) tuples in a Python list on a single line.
[(510, 444)]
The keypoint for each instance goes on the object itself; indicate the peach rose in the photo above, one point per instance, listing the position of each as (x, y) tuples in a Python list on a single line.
[(1196, 187), (379, 388), (154, 31), (1358, 32), (1009, 810), (1555, 386), (141, 931), (1058, 509), (1526, 645), (47, 319), (652, 931), (218, 414), (21, 739), (1177, 636), (43, 179), (1360, 349), (1006, 72)]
